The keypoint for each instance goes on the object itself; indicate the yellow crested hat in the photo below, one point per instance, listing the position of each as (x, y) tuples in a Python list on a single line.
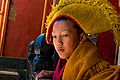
[(93, 16)]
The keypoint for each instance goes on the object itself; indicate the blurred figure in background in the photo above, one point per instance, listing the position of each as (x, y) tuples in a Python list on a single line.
[(44, 59)]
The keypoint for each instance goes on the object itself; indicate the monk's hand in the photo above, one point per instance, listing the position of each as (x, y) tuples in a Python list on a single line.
[(44, 74)]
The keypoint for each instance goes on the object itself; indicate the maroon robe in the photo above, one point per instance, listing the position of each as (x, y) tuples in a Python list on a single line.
[(59, 69)]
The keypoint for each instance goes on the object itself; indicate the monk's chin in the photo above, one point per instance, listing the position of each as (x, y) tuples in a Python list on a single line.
[(63, 57)]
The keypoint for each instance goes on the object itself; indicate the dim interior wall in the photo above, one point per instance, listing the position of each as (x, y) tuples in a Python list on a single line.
[(24, 28)]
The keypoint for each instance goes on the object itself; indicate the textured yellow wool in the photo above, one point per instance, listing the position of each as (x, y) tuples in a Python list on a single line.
[(85, 63), (93, 16), (111, 73)]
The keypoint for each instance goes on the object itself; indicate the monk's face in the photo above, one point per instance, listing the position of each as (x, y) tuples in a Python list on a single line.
[(65, 38)]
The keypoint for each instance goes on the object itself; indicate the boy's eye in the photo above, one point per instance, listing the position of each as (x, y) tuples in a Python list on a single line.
[(65, 35), (54, 36)]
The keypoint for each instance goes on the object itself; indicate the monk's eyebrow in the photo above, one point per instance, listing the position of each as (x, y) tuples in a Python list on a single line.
[(62, 30)]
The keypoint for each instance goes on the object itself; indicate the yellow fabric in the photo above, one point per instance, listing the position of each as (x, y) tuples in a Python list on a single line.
[(84, 63), (93, 16), (111, 73)]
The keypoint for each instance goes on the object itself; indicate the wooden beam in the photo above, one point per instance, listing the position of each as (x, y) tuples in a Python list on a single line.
[(43, 18), (3, 24)]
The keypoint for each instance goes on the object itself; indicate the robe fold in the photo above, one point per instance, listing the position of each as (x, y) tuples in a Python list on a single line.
[(85, 63), (59, 69)]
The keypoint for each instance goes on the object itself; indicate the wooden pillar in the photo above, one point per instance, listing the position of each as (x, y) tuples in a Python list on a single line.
[(3, 21), (43, 18), (46, 4)]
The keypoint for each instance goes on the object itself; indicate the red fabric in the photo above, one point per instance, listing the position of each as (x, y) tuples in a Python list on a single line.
[(106, 46), (115, 3), (59, 69)]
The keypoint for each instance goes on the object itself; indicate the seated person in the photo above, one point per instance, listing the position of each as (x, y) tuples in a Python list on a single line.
[(31, 56), (67, 29), (31, 53), (44, 60)]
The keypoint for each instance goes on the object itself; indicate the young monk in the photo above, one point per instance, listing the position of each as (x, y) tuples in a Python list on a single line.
[(71, 44), (67, 29)]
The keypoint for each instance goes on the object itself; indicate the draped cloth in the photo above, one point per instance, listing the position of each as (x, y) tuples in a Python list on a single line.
[(112, 73), (59, 69), (85, 63)]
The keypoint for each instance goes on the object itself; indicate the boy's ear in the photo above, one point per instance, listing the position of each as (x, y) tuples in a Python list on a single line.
[(83, 37)]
